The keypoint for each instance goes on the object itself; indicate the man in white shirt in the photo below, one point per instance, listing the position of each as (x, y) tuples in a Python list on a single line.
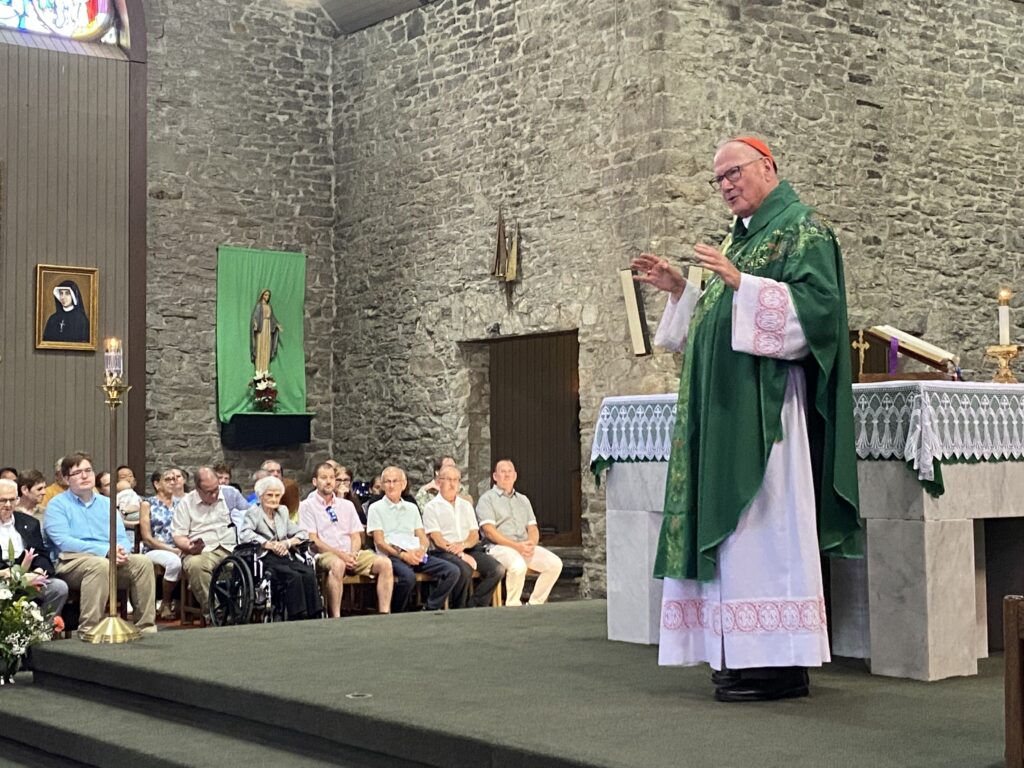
[(450, 523), (397, 532), (336, 532), (21, 543), (202, 530)]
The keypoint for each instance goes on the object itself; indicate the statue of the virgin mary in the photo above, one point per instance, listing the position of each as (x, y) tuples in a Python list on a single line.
[(264, 332)]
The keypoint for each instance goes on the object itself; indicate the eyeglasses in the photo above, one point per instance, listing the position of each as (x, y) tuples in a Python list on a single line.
[(81, 472), (344, 479), (8, 501), (331, 514), (732, 174)]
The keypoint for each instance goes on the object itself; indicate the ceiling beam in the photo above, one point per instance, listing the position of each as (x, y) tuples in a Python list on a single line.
[(354, 15)]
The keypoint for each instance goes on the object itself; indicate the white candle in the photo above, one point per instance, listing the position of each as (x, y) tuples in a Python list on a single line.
[(113, 357), (1004, 316)]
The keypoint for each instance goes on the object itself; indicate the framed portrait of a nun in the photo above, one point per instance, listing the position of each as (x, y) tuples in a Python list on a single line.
[(66, 307)]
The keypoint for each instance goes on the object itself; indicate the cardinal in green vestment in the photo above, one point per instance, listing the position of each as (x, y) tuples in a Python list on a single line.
[(762, 473)]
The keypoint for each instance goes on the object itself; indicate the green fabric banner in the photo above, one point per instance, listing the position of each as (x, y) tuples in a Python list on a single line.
[(242, 276)]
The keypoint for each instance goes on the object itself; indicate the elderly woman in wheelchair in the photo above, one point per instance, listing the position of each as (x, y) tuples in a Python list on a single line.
[(282, 544)]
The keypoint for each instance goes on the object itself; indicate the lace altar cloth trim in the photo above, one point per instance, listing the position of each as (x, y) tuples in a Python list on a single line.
[(634, 428), (920, 421), (916, 421)]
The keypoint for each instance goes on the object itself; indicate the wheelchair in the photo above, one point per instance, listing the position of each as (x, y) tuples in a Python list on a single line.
[(242, 591)]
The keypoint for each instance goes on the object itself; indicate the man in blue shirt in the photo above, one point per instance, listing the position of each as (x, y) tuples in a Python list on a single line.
[(78, 526)]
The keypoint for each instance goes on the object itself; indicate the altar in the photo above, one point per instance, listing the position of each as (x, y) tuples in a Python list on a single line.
[(935, 459)]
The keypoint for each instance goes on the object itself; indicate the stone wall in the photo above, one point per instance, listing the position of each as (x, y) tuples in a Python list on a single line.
[(903, 121), (593, 124), (239, 154), (441, 117)]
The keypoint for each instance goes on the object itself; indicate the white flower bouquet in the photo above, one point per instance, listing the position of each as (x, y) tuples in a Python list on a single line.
[(22, 622), (264, 391)]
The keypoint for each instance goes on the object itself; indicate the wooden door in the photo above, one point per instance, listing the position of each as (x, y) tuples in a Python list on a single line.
[(534, 384)]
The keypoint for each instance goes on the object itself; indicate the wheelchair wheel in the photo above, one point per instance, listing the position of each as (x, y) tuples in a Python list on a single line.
[(266, 604), (273, 608), (231, 593)]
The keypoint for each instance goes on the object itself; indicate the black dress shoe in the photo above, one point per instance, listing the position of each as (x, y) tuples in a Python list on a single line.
[(790, 683), (721, 678)]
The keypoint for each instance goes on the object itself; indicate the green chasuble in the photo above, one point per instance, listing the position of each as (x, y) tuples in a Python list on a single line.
[(730, 403)]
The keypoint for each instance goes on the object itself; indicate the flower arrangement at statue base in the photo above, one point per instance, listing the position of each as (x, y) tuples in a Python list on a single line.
[(264, 391), (22, 622)]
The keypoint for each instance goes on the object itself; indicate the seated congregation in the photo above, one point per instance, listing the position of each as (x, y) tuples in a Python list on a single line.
[(430, 551)]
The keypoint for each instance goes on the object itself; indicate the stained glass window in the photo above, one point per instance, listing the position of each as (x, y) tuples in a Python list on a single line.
[(77, 19)]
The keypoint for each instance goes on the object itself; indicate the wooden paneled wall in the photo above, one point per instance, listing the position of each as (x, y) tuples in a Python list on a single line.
[(64, 152)]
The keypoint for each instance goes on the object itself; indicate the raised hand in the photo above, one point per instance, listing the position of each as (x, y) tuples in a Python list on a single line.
[(713, 259), (656, 271)]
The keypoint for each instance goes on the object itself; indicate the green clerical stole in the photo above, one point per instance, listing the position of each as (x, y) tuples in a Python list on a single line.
[(730, 403)]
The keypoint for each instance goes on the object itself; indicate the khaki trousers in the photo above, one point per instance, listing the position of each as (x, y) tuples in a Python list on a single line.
[(544, 561), (200, 572), (90, 575)]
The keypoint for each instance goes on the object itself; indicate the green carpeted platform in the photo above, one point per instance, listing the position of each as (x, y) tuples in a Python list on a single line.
[(536, 686)]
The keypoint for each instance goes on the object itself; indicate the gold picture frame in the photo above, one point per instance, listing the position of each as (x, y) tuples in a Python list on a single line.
[(68, 322)]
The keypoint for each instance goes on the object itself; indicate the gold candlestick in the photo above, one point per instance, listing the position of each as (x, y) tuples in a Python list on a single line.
[(113, 629), (1003, 354)]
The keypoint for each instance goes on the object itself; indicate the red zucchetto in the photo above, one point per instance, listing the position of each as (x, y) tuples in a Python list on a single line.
[(760, 146)]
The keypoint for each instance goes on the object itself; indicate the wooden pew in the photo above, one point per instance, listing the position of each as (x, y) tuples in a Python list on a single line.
[(351, 580)]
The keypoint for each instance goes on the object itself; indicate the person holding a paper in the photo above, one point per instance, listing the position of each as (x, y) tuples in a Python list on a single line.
[(763, 471), (203, 532), (397, 532)]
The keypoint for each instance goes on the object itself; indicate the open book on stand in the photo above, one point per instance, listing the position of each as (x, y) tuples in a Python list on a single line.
[(883, 353)]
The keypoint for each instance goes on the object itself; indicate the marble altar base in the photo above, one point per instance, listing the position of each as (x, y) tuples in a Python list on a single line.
[(635, 498), (916, 605)]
